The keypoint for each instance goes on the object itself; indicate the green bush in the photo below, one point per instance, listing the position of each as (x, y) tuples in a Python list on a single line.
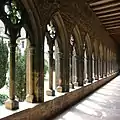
[(20, 82), (3, 63), (3, 98)]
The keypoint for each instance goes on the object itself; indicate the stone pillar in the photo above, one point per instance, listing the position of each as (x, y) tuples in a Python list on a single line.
[(87, 69), (11, 103), (90, 75), (102, 67), (76, 72), (99, 67), (51, 92), (80, 70), (30, 95), (95, 72), (60, 78), (96, 69), (71, 70)]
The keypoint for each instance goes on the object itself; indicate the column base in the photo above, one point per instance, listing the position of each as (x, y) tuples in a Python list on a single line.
[(85, 81), (59, 89), (11, 104), (30, 98), (76, 84), (50, 92), (71, 85)]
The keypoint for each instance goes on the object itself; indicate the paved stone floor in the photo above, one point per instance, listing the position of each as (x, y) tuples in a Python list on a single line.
[(104, 104)]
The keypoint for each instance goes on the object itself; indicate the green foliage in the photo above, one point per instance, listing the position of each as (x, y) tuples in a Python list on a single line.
[(3, 63), (20, 82), (3, 98)]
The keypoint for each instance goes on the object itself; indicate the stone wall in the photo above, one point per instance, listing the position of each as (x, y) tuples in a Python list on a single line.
[(45, 111)]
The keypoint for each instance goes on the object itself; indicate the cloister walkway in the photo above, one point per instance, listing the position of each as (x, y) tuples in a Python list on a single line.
[(103, 104)]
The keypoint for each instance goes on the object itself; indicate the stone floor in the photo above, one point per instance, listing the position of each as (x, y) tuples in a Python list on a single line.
[(104, 104)]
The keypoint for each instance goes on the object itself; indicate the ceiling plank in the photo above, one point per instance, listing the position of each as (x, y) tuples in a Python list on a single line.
[(106, 6), (116, 27), (115, 33), (117, 17), (108, 11), (112, 25), (100, 2), (91, 1), (110, 22), (109, 15)]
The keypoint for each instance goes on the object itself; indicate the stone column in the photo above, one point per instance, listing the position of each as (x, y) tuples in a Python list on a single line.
[(71, 70), (99, 67), (76, 78), (11, 103), (81, 70), (51, 92), (30, 95), (60, 78), (90, 76), (87, 69), (102, 67), (96, 69), (95, 72)]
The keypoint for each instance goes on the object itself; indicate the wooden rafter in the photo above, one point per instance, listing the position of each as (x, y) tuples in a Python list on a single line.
[(108, 11), (116, 27), (109, 15), (100, 2), (106, 6)]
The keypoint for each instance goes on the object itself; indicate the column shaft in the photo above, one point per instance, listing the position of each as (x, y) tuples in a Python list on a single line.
[(30, 95), (11, 103)]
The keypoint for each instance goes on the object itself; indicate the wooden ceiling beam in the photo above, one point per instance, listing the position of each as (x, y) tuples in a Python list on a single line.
[(108, 11), (91, 1), (115, 33), (109, 15), (110, 28), (100, 2), (117, 17), (111, 22), (112, 25), (106, 6)]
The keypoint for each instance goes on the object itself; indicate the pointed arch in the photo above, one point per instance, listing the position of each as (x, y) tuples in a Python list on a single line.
[(78, 40), (88, 43)]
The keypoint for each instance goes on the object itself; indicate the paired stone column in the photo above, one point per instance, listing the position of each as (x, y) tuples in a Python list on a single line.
[(81, 70), (96, 69), (11, 103), (77, 66), (71, 70), (87, 71), (102, 67), (51, 92), (60, 78), (30, 95), (90, 75)]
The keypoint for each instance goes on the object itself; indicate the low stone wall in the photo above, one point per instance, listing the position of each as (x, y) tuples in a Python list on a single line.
[(45, 111)]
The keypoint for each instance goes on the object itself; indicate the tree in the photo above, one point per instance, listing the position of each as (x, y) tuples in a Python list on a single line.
[(20, 81), (3, 62)]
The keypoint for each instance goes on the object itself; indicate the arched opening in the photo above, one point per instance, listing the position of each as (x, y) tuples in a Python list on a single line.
[(22, 65), (87, 48), (73, 63), (52, 56)]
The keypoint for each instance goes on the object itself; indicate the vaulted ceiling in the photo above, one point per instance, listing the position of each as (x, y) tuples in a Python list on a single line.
[(108, 12)]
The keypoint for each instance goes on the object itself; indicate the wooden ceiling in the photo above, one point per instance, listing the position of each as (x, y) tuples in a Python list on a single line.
[(108, 12)]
